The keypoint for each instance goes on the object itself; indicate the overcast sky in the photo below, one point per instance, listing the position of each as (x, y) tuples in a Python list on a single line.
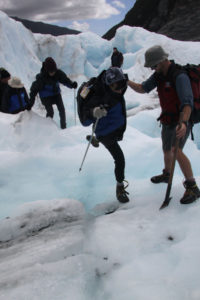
[(83, 15)]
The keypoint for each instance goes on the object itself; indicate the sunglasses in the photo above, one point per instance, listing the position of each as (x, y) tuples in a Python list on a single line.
[(154, 67)]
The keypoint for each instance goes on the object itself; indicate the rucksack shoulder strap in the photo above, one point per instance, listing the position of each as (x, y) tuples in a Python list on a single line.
[(177, 70)]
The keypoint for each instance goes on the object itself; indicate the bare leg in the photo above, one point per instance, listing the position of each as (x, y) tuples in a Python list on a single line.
[(185, 165)]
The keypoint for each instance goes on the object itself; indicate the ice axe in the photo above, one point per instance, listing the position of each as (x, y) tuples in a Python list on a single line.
[(75, 106), (169, 186), (93, 131)]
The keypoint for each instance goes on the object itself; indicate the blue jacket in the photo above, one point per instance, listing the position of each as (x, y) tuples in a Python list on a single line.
[(48, 86), (15, 100), (115, 120)]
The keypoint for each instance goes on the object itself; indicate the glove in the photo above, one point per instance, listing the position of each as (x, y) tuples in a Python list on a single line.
[(74, 85), (99, 112)]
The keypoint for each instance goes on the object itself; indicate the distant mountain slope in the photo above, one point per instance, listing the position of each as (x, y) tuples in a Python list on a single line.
[(43, 28), (177, 19)]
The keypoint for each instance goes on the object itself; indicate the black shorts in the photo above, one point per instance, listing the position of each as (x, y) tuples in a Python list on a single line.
[(168, 135)]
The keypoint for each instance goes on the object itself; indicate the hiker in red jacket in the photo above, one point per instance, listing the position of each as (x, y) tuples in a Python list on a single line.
[(175, 95)]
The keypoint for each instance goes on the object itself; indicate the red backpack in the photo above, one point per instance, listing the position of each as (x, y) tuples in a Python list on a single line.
[(193, 71)]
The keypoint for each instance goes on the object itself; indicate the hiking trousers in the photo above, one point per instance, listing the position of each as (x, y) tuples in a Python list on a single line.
[(57, 100), (113, 147)]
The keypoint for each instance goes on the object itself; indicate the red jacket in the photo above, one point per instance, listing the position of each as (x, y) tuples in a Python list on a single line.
[(169, 101)]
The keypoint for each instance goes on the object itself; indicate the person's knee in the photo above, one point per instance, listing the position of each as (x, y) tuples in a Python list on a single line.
[(167, 153)]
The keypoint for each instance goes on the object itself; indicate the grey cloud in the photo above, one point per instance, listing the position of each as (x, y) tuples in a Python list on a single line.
[(52, 10)]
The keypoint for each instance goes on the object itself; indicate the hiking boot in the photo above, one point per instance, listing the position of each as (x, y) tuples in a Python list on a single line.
[(94, 141), (121, 193), (191, 194), (164, 177)]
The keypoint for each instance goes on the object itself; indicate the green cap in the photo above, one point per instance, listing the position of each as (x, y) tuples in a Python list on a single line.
[(154, 56)]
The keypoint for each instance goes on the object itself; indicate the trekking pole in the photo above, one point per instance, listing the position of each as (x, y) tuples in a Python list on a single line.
[(93, 131), (169, 186), (75, 106)]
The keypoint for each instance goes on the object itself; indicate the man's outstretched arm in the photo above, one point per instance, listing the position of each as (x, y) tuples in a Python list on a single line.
[(137, 87)]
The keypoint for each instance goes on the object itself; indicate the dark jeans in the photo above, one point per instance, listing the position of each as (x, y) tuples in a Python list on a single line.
[(57, 100), (116, 152)]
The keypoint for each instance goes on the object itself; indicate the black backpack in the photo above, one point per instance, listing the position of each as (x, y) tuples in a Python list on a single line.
[(86, 91)]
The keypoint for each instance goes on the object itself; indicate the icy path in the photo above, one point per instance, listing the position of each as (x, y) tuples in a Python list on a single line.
[(55, 250)]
